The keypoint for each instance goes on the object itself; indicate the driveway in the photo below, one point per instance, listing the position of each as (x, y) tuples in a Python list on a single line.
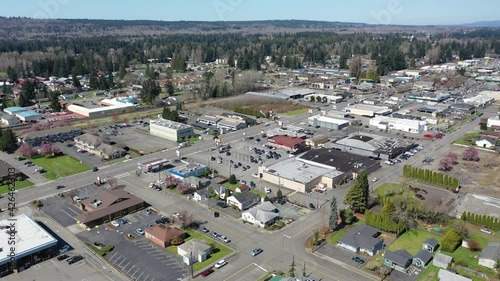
[(342, 255)]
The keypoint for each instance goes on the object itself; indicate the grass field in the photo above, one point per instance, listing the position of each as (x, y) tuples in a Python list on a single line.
[(19, 185), (60, 166), (335, 236), (297, 112), (391, 190)]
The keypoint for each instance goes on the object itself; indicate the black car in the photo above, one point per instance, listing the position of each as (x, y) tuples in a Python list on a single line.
[(256, 251), (281, 201), (358, 260), (222, 204), (60, 187), (75, 259), (162, 221), (311, 206), (62, 257), (95, 169)]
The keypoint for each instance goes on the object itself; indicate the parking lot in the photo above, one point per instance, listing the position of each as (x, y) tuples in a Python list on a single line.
[(342, 255), (138, 258)]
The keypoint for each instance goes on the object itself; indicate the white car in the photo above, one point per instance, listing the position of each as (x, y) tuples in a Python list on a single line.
[(220, 263), (267, 190), (176, 215), (115, 223), (160, 182), (374, 179), (255, 175), (485, 230)]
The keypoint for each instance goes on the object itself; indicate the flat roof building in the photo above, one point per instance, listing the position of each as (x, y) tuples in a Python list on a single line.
[(188, 170), (13, 110), (404, 125), (116, 107), (428, 96), (10, 120), (327, 122), (463, 108), (154, 165), (371, 145), (367, 110), (479, 101), (32, 242), (170, 130), (28, 116)]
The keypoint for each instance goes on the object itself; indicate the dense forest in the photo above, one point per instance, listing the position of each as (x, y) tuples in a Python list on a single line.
[(63, 56)]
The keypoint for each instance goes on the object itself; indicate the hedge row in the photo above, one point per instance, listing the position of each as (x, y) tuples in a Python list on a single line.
[(249, 111), (430, 176), (384, 223), (481, 220)]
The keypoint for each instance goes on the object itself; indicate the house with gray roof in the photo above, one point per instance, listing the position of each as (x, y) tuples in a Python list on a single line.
[(422, 258), (202, 194), (262, 215), (362, 239), (445, 275), (400, 260), (431, 244), (490, 255), (243, 201), (441, 260)]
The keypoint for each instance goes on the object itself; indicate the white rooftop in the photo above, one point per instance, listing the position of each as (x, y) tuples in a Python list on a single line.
[(168, 123), (29, 238), (323, 118), (299, 171), (395, 120)]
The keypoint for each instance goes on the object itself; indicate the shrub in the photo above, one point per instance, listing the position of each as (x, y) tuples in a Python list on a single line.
[(450, 241), (461, 263), (474, 245), (232, 179)]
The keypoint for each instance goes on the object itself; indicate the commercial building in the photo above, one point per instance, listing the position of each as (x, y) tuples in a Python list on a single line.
[(317, 167), (491, 94), (371, 145), (493, 123), (188, 170), (170, 130), (208, 120), (291, 131), (367, 110), (293, 143), (108, 205), (114, 106), (238, 117), (317, 140), (327, 122), (479, 101), (33, 244), (14, 110), (28, 116), (296, 93), (232, 125), (404, 125), (98, 145), (428, 97), (10, 120), (162, 235), (462, 108), (58, 134)]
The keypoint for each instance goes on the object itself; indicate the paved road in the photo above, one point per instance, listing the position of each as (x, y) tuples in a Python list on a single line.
[(279, 248)]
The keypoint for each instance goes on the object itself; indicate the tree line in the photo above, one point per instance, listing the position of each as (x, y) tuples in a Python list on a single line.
[(481, 220), (430, 176)]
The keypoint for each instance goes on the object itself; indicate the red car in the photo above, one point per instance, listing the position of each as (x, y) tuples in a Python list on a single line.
[(207, 272), (420, 196), (424, 191)]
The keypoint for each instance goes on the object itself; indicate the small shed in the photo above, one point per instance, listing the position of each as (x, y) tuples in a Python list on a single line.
[(442, 260), (431, 244)]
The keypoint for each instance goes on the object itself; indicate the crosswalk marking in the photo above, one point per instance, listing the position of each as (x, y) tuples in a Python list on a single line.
[(119, 176)]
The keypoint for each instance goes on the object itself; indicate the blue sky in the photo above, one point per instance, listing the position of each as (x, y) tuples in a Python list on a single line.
[(367, 11)]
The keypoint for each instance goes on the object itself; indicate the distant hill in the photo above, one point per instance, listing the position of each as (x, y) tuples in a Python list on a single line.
[(493, 23), (27, 28)]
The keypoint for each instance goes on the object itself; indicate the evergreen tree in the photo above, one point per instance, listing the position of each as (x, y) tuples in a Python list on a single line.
[(150, 91), (22, 101), (8, 141), (93, 81), (291, 271), (75, 81), (334, 214), (357, 196), (170, 88), (54, 101)]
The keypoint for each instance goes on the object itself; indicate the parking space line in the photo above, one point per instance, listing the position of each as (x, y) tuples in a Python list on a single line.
[(122, 262), (114, 254), (73, 211), (116, 262), (116, 259), (140, 276), (135, 272), (126, 265), (130, 269), (146, 278), (153, 279), (68, 214)]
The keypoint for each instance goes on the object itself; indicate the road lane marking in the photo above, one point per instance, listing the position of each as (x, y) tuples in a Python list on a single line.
[(238, 272), (306, 228)]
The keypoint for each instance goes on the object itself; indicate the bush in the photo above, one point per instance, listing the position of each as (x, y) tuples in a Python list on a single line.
[(450, 241), (461, 263), (474, 245)]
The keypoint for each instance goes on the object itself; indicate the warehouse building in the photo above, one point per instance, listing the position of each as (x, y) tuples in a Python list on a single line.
[(374, 146), (188, 170), (428, 97), (238, 117), (404, 125), (14, 110), (208, 120), (231, 125), (170, 130), (287, 142), (317, 167), (28, 116), (491, 94), (33, 244), (10, 120), (463, 108), (367, 110), (327, 122), (115, 106), (479, 101)]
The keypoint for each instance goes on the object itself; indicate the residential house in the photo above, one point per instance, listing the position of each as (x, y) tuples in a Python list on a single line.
[(422, 258), (442, 260), (243, 201), (490, 255), (163, 235), (107, 151), (197, 182), (242, 188), (58, 134), (486, 142), (400, 260), (445, 275), (201, 194), (362, 239), (98, 145), (431, 244), (194, 251), (262, 215)]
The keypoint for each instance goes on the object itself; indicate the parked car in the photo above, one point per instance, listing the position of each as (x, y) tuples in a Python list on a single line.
[(267, 190), (419, 196), (224, 238), (62, 257), (220, 263), (115, 223), (122, 221), (207, 272), (75, 259), (64, 249), (374, 179), (281, 201), (139, 231), (256, 251), (485, 230), (162, 221), (255, 175), (147, 211), (176, 215), (204, 228), (358, 260), (311, 206), (214, 234), (59, 186)]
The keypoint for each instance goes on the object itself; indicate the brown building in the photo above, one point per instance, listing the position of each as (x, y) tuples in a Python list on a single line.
[(108, 205), (163, 235), (287, 142)]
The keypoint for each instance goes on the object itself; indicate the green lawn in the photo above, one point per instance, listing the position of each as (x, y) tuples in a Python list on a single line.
[(19, 185), (102, 251), (391, 190), (3, 74), (262, 194), (429, 274), (218, 253), (59, 166), (410, 241), (335, 236), (297, 112)]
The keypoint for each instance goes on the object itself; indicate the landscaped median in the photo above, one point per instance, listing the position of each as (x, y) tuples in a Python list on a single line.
[(219, 251), (101, 250), (59, 166)]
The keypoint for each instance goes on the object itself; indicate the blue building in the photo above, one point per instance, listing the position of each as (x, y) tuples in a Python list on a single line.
[(188, 170)]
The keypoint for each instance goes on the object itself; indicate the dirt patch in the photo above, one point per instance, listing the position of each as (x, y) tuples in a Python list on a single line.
[(484, 179), (257, 103), (388, 238)]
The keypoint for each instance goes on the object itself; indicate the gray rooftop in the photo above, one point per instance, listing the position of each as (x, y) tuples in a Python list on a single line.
[(298, 171), (491, 252), (432, 242), (169, 124), (400, 257), (424, 256), (363, 236)]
